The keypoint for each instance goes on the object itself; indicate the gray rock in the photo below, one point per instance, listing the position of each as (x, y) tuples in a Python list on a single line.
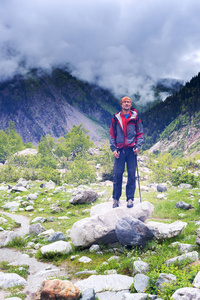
[(84, 259), (56, 236), (185, 248), (36, 229), (135, 296), (29, 208), (59, 247), (186, 293), (8, 280), (19, 189), (193, 256), (141, 282), (183, 205), (132, 232), (185, 186), (12, 206), (140, 267), (88, 294), (164, 279), (94, 248), (101, 228), (162, 187), (39, 220), (100, 283), (83, 196), (196, 282), (7, 237), (48, 185), (164, 231), (31, 197)]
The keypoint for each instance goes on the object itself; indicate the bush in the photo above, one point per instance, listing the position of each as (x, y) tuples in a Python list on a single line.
[(80, 172)]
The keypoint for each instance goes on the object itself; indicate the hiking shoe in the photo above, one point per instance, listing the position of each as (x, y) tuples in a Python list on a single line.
[(130, 203), (115, 203)]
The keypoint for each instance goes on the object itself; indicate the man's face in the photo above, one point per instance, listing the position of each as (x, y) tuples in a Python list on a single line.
[(126, 105)]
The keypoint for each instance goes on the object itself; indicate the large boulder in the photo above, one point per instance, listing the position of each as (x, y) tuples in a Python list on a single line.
[(8, 280), (7, 236), (186, 294), (101, 228), (83, 196), (101, 283), (59, 247), (163, 231), (132, 232), (57, 289), (104, 207), (191, 256)]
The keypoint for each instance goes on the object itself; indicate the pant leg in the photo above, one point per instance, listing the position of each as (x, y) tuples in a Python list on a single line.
[(131, 161), (118, 175)]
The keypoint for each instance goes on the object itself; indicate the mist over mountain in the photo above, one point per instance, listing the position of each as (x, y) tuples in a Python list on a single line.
[(42, 103)]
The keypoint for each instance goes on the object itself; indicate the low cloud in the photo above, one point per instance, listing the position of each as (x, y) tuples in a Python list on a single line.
[(123, 45)]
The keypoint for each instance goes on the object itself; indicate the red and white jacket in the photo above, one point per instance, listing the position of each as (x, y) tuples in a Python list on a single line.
[(126, 132)]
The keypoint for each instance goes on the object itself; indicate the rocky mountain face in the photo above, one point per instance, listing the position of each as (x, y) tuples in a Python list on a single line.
[(41, 104), (173, 125)]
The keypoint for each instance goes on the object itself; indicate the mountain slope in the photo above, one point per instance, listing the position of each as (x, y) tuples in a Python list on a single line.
[(42, 104), (175, 122)]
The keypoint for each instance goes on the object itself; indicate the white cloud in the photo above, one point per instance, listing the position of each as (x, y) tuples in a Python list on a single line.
[(124, 45)]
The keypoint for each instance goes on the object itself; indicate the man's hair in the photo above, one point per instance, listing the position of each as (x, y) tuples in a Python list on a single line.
[(125, 98)]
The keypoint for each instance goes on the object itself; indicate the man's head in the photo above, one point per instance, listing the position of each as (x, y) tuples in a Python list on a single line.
[(125, 99), (126, 105)]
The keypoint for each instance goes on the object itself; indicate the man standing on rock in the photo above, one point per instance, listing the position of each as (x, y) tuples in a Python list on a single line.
[(126, 138)]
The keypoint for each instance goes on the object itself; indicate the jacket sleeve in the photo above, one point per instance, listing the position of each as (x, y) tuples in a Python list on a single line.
[(139, 134), (112, 135)]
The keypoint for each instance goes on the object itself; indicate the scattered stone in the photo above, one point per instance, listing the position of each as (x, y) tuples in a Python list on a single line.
[(31, 197), (39, 220), (35, 229), (8, 280), (162, 187), (140, 267), (185, 248), (192, 256), (59, 247), (183, 205), (56, 236), (164, 231), (196, 282), (186, 294), (88, 294), (84, 259), (83, 196), (48, 185), (141, 283), (94, 248), (132, 232), (46, 233), (100, 283), (29, 208), (164, 279), (12, 206), (57, 289), (7, 237), (185, 186)]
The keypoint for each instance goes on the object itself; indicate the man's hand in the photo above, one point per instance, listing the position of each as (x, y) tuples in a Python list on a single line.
[(116, 154), (136, 151)]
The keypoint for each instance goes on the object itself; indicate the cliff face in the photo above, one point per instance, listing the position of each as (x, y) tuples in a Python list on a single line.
[(51, 104)]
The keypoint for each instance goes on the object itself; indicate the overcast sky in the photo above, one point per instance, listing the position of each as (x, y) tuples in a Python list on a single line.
[(124, 45)]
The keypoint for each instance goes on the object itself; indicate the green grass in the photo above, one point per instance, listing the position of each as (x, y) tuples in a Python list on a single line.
[(155, 252)]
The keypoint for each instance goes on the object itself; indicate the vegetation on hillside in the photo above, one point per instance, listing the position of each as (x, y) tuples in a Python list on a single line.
[(176, 112), (72, 153)]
